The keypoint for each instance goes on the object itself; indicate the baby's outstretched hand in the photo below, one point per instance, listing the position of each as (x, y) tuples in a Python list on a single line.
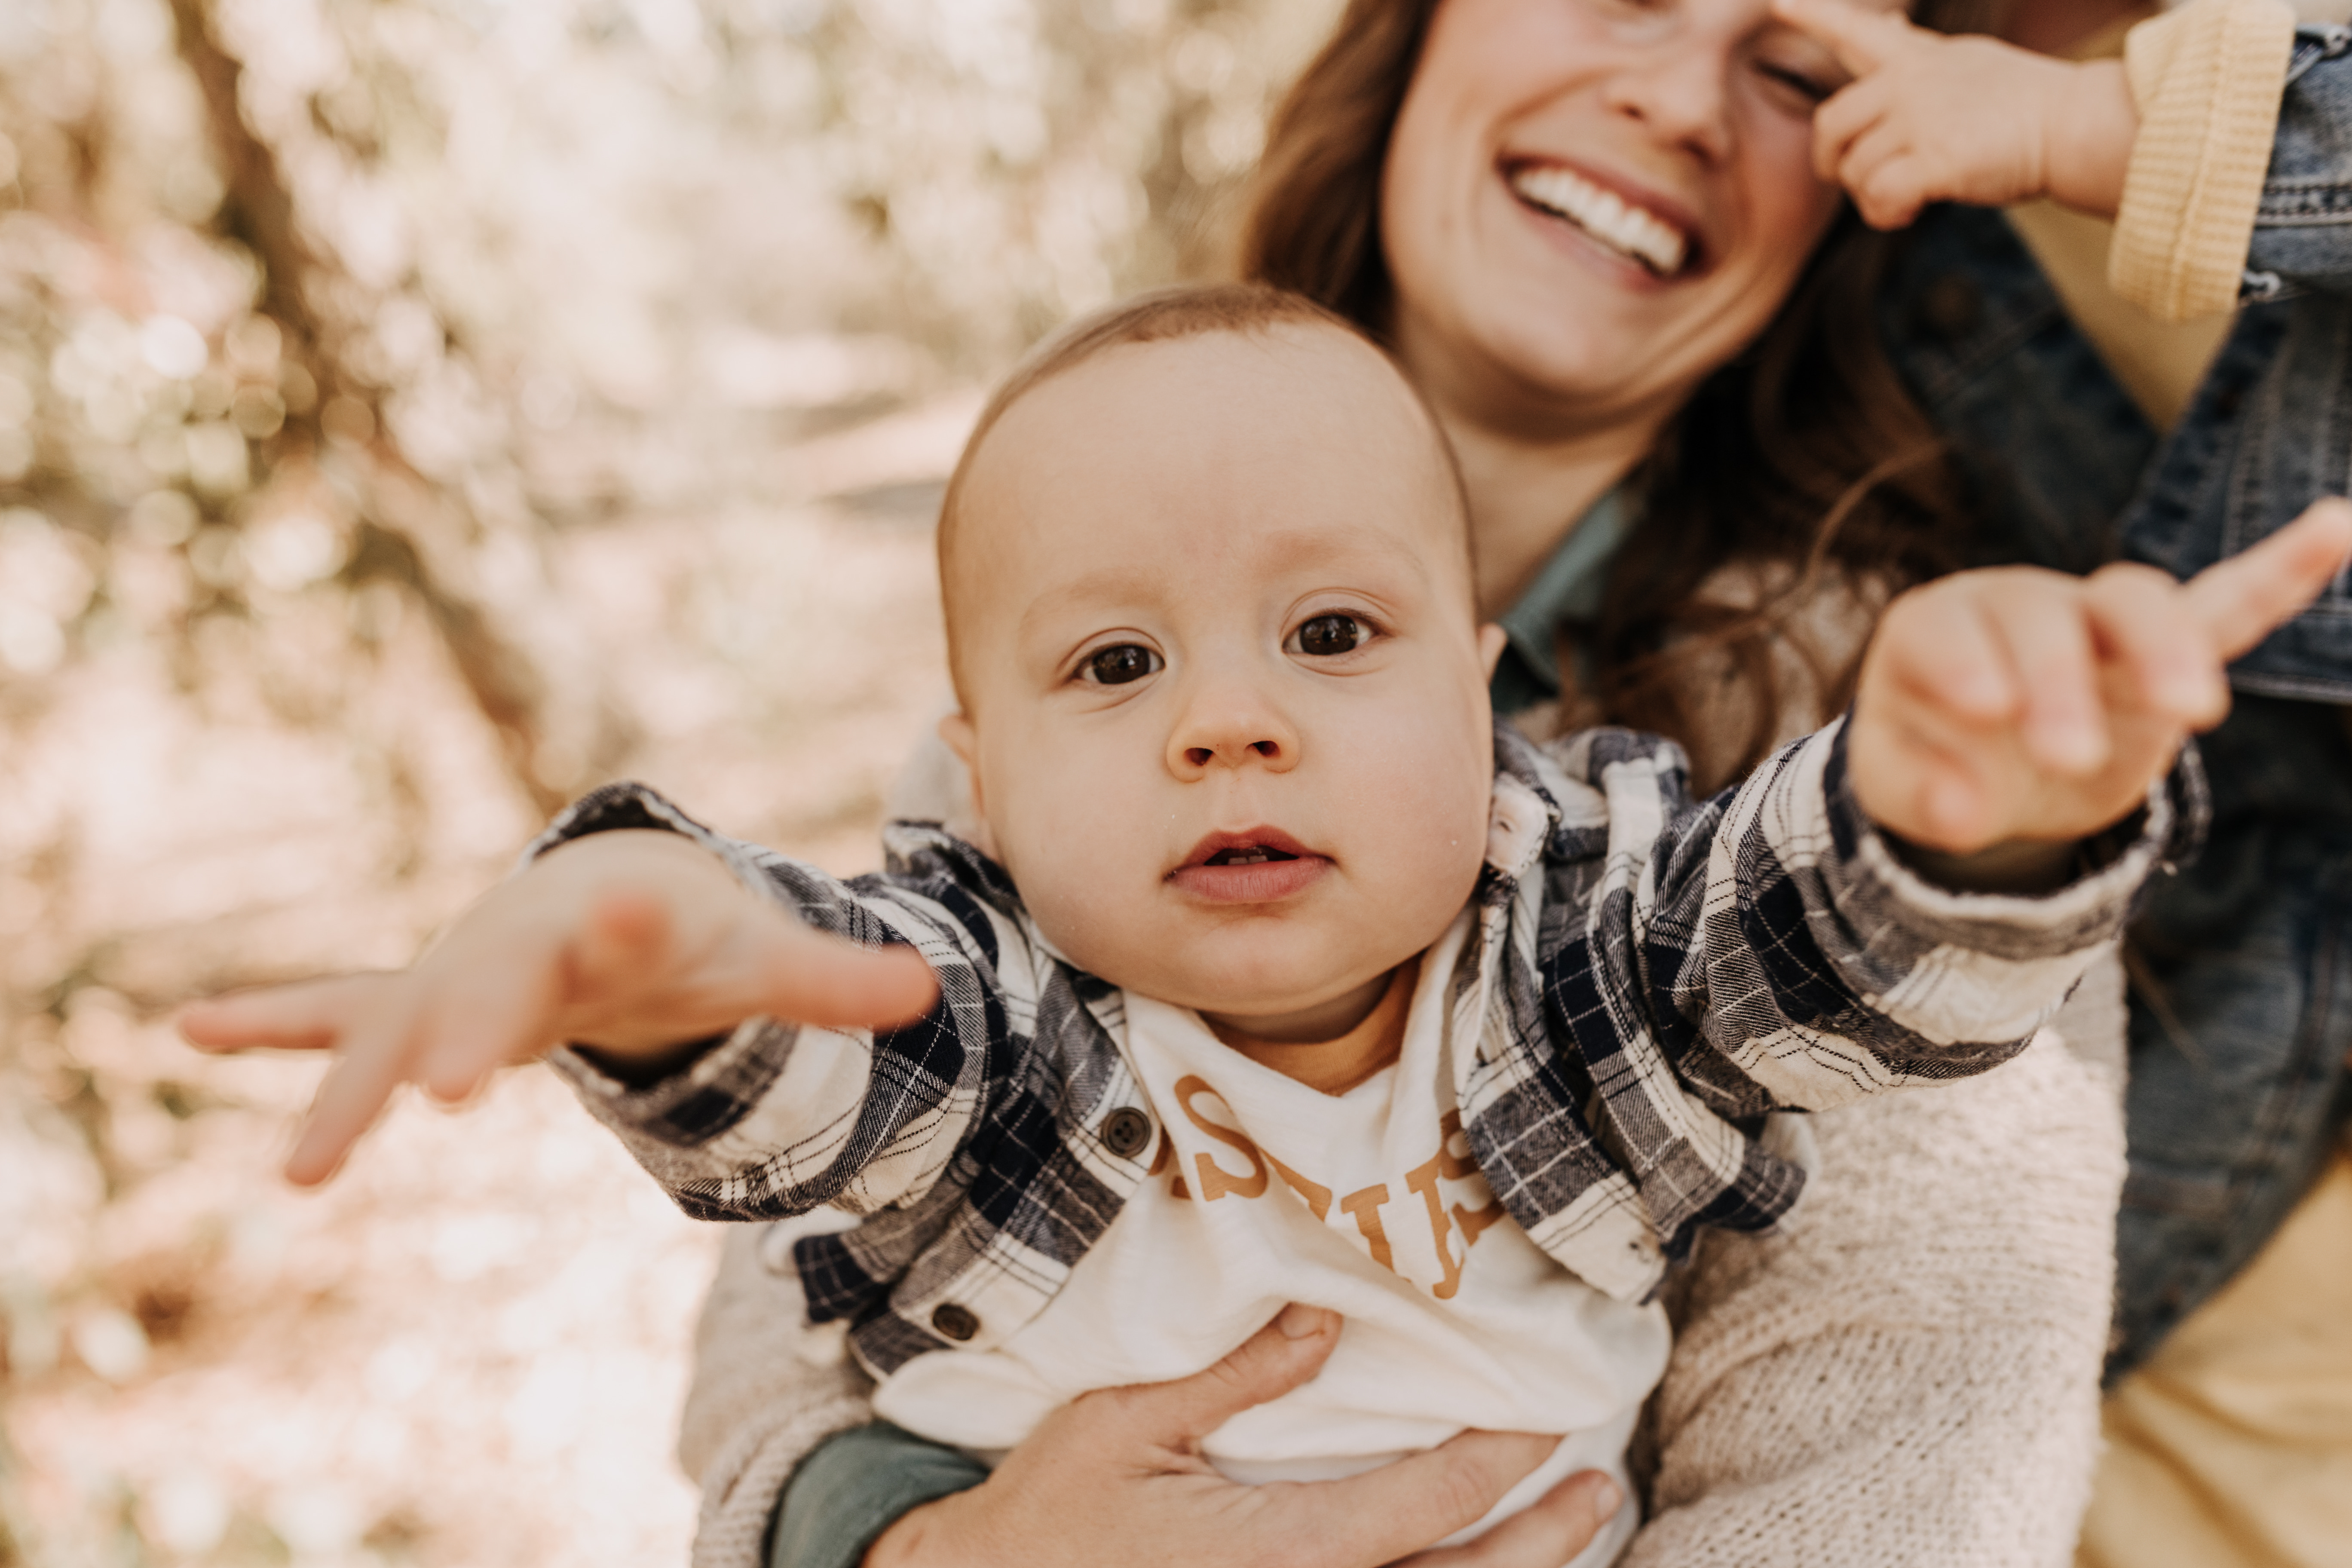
[(2020, 705), (1931, 117), (631, 942)]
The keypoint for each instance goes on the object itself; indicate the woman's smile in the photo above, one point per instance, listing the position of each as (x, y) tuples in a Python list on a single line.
[(1633, 225)]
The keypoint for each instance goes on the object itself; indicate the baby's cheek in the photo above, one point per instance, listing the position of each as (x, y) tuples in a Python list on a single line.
[(1081, 863), (1427, 803)]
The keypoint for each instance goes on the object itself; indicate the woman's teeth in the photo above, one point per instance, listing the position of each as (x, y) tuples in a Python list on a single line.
[(1603, 215)]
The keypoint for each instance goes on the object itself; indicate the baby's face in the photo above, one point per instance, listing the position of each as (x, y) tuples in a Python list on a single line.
[(1228, 720)]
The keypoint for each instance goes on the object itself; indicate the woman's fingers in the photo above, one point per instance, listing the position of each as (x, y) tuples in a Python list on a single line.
[(1841, 124), (2242, 599), (502, 1002), (1404, 1506), (1551, 1532), (1279, 1357)]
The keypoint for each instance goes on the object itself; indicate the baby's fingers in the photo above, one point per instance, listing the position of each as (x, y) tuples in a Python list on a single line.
[(2048, 635), (1862, 40), (825, 980), (308, 1016), (375, 1060), (1937, 644), (2242, 599), (2149, 638)]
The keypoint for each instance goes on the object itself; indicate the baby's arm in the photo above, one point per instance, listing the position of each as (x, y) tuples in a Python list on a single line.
[(1822, 932), (627, 944), (1934, 118)]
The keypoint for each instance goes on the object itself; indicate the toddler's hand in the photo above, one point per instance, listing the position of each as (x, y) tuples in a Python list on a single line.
[(631, 942), (1933, 118), (2019, 704)]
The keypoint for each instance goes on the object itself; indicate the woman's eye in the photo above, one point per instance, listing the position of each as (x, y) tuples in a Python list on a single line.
[(1118, 666), (1798, 85), (1328, 635)]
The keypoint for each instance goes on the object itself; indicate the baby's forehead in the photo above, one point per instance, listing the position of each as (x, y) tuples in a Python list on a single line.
[(1288, 430)]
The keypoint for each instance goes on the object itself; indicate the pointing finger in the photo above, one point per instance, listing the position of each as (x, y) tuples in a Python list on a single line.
[(309, 1015), (2242, 599), (816, 978)]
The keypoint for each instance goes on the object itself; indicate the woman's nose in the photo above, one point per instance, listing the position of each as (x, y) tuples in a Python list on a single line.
[(1680, 95), (1231, 725)]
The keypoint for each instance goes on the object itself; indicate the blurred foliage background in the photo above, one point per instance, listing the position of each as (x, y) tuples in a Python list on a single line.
[(412, 413)]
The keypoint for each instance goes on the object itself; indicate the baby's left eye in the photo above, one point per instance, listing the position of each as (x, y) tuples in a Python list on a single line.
[(1326, 635)]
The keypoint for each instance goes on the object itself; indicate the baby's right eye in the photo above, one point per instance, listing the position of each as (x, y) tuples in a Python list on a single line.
[(1119, 665)]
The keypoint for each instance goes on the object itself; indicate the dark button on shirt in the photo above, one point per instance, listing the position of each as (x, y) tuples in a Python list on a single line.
[(955, 1322), (1127, 1131)]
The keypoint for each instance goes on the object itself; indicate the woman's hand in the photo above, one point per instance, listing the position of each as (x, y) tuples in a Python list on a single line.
[(1933, 118), (1118, 1477)]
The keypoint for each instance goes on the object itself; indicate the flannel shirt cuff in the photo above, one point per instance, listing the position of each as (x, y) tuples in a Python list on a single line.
[(2113, 869)]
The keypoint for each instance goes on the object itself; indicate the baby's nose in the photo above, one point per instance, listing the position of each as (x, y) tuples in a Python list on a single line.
[(1201, 756), (1232, 729)]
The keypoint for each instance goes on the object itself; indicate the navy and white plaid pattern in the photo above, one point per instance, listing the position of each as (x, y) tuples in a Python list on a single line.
[(1649, 980)]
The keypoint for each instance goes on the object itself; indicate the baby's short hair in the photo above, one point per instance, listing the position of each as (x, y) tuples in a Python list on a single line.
[(1162, 315)]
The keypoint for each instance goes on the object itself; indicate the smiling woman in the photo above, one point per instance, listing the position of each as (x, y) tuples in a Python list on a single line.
[(1494, 185)]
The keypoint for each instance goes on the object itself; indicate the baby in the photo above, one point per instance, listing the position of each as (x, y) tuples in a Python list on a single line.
[(1275, 972)]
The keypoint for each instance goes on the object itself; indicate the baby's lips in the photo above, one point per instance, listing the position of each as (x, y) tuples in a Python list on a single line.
[(1265, 882), (1271, 839)]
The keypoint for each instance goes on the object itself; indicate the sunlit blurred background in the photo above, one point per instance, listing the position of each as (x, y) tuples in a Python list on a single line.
[(413, 412)]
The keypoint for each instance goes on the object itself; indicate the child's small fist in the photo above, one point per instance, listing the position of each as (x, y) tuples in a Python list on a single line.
[(1934, 118), (2022, 705)]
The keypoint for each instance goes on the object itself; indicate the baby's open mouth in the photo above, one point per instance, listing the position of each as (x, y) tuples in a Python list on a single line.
[(1254, 866), (1247, 854), (1632, 231)]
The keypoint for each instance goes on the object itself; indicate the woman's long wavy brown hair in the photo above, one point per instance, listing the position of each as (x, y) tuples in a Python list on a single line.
[(1804, 457)]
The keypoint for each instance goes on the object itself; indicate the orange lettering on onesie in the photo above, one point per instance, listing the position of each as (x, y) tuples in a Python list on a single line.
[(1387, 1021), (1215, 1181)]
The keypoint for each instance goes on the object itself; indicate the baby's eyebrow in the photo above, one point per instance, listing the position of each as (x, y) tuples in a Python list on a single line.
[(1109, 585), (1351, 547)]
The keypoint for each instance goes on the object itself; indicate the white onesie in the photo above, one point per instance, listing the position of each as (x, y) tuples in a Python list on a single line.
[(1265, 1192)]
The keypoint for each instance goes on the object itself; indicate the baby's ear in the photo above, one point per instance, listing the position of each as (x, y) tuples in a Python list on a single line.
[(956, 730), (961, 738), (1491, 638)]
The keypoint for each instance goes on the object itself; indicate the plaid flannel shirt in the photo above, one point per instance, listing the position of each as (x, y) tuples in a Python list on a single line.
[(1647, 980)]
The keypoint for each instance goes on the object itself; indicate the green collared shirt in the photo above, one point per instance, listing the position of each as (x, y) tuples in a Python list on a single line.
[(1568, 588)]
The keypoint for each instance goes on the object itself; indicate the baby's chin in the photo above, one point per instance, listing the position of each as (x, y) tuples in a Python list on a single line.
[(1266, 967)]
